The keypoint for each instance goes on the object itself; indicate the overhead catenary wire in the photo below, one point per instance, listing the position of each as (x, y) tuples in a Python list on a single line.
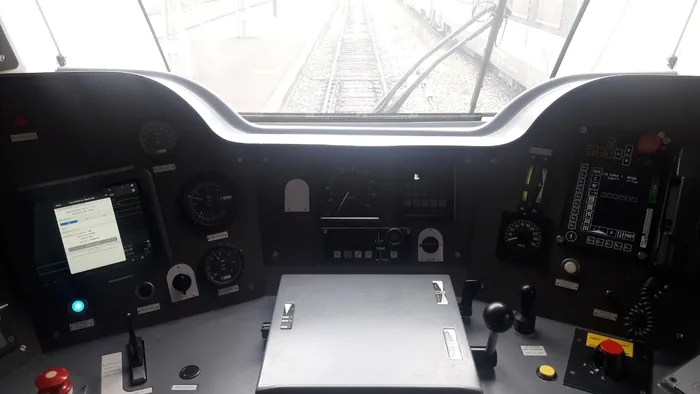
[(386, 100)]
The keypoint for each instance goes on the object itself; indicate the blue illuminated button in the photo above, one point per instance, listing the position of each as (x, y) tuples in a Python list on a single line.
[(78, 306)]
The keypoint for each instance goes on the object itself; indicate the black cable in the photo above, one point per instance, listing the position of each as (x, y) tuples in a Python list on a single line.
[(642, 319), (386, 100)]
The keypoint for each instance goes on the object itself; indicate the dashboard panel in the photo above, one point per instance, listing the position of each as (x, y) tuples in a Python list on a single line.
[(593, 206)]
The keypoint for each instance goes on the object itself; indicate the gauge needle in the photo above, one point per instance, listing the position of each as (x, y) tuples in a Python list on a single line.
[(217, 256), (343, 202), (195, 198), (511, 239)]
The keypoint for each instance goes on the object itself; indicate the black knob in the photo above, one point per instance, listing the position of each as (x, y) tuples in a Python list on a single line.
[(610, 357), (498, 317), (525, 320), (394, 236), (430, 244), (182, 283), (469, 291)]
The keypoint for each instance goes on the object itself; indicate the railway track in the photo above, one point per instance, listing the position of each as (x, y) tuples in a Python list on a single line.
[(356, 81)]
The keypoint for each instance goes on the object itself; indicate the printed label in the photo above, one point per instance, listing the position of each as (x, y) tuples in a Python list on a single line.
[(24, 137), (148, 309), (566, 284), (533, 350), (593, 340), (217, 236), (184, 387), (82, 324), (229, 290), (541, 151), (605, 314), (163, 168)]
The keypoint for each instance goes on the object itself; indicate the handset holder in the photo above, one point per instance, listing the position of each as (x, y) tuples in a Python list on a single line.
[(136, 353)]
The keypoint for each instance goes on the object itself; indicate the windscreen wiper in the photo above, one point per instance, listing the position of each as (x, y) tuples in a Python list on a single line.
[(497, 13), (569, 37)]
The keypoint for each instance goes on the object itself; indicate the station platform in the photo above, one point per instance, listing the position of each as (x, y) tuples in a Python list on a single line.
[(252, 50)]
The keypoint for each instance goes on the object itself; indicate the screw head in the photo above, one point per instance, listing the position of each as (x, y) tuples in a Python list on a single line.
[(23, 348), (641, 255), (583, 129), (560, 239)]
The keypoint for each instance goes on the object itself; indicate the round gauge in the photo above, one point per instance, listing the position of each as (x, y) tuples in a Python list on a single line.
[(158, 137), (349, 191), (209, 200), (223, 265), (522, 238)]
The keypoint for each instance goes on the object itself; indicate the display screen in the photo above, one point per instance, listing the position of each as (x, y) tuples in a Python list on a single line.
[(92, 231), (89, 233), (616, 210)]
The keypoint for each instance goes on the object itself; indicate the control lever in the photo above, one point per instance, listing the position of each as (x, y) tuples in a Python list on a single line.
[(524, 323), (499, 319), (136, 351), (469, 291)]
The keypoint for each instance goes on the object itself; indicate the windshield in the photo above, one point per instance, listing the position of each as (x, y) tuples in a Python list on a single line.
[(369, 56)]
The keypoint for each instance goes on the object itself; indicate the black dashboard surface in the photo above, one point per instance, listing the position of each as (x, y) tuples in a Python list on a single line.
[(498, 214)]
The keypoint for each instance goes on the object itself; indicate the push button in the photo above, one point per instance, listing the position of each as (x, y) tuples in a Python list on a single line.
[(546, 372)]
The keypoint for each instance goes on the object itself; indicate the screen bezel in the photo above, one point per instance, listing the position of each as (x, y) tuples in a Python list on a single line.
[(72, 188)]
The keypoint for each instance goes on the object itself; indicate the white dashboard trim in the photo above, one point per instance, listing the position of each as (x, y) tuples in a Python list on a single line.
[(507, 126)]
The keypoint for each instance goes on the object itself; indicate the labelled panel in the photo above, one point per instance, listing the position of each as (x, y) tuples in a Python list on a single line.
[(430, 245)]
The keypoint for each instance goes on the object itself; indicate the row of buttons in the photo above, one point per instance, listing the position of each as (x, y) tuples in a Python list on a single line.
[(358, 254), (580, 182), (618, 197), (425, 203), (610, 152), (608, 244)]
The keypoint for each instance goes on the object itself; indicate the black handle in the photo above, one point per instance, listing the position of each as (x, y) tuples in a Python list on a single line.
[(527, 300), (469, 291)]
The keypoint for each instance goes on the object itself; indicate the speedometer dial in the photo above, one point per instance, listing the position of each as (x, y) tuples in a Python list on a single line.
[(209, 200), (522, 237), (223, 265), (158, 137), (350, 192)]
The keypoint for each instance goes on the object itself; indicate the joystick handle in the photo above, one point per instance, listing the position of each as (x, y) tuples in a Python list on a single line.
[(527, 300), (526, 318), (498, 318), (469, 291)]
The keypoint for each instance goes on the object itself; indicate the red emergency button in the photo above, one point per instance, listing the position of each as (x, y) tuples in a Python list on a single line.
[(20, 121), (611, 348), (54, 381), (649, 144)]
